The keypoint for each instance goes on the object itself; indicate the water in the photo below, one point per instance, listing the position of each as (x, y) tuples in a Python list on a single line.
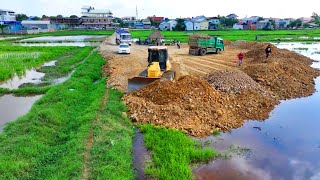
[(286, 146), (139, 156), (12, 107), (65, 39), (30, 76), (50, 63), (76, 44)]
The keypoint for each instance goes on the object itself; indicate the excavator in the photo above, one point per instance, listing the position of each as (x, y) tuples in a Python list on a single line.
[(159, 67)]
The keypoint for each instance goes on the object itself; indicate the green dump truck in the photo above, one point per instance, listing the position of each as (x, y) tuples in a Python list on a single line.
[(200, 44)]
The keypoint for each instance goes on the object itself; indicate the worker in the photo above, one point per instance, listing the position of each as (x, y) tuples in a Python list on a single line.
[(268, 51), (178, 44), (240, 58)]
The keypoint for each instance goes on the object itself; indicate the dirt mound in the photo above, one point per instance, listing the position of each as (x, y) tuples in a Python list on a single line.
[(189, 104), (193, 105), (227, 42), (233, 81), (242, 44)]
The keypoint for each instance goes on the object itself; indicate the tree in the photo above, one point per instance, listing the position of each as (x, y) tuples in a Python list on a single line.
[(59, 16), (180, 25), (295, 23), (228, 22), (260, 19), (44, 16), (74, 16), (2, 27), (21, 17), (316, 18), (118, 20), (36, 18)]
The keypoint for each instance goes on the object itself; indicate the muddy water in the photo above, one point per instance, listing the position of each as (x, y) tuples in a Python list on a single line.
[(12, 107), (31, 76), (139, 156), (286, 146)]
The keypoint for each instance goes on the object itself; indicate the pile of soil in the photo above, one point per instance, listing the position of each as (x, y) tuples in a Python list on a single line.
[(189, 104), (234, 81), (194, 106), (242, 44), (287, 74)]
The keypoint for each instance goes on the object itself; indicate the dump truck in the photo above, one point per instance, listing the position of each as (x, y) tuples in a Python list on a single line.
[(123, 36), (200, 44), (159, 67)]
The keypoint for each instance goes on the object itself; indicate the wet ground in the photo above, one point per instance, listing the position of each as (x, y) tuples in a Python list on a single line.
[(31, 76), (77, 44), (12, 107), (65, 39), (140, 154), (286, 146)]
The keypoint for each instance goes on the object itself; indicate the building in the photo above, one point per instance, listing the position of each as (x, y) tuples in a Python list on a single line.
[(139, 25), (214, 23), (200, 23), (172, 24), (7, 16), (35, 25), (157, 20), (129, 22), (64, 22), (96, 18), (238, 26), (189, 25), (146, 24), (233, 16), (265, 25), (164, 26), (282, 23)]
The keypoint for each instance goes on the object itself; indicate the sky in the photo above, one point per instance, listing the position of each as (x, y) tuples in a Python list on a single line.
[(168, 8)]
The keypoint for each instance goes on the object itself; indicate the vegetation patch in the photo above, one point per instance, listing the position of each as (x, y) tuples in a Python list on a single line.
[(172, 153), (49, 142)]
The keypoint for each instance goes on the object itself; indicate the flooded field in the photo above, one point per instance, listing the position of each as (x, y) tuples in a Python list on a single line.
[(76, 44), (12, 107), (65, 39), (31, 76), (285, 146)]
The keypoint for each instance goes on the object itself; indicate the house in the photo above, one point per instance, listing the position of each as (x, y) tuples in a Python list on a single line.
[(252, 19), (306, 19), (129, 22), (232, 16), (213, 23), (265, 25), (146, 24), (172, 24), (96, 18), (156, 20), (238, 26), (200, 23), (139, 25), (164, 26), (7, 16), (282, 23), (189, 25)]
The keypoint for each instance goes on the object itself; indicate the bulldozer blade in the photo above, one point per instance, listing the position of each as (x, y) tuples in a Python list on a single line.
[(137, 83)]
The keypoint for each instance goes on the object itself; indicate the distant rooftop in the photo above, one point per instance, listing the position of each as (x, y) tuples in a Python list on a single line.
[(6, 10)]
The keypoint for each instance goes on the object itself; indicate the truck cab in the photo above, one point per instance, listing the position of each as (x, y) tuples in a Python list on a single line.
[(202, 44), (123, 36)]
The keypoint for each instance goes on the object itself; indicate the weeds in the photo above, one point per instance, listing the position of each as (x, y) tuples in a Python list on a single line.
[(172, 152)]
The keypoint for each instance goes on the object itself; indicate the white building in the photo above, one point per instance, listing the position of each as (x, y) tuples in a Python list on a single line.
[(33, 25), (7, 15), (172, 24), (164, 26), (189, 25), (96, 18)]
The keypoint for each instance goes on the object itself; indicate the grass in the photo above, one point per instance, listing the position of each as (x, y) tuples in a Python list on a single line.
[(16, 60), (112, 149), (172, 153), (216, 133), (233, 35), (49, 142)]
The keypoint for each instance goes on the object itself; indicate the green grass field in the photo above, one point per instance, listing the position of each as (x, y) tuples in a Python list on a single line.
[(16, 60)]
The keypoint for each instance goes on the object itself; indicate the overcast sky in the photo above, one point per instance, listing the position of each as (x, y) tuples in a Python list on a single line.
[(168, 8)]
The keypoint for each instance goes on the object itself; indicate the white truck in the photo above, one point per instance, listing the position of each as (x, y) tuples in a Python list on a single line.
[(123, 36)]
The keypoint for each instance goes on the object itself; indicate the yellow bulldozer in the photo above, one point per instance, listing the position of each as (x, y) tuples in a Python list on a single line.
[(159, 67)]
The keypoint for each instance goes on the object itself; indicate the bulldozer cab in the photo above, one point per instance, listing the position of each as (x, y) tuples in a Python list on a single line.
[(158, 54)]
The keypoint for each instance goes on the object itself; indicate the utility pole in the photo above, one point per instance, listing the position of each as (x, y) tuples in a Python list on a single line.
[(137, 12)]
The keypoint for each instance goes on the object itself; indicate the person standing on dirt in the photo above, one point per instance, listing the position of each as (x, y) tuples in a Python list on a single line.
[(268, 51), (240, 58), (178, 44)]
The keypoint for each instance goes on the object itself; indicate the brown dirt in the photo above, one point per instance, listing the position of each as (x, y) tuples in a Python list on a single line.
[(218, 94)]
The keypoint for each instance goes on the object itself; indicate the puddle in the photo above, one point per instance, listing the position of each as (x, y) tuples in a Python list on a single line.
[(76, 44), (7, 38), (49, 64), (31, 76), (12, 107), (65, 39), (139, 156), (286, 146)]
